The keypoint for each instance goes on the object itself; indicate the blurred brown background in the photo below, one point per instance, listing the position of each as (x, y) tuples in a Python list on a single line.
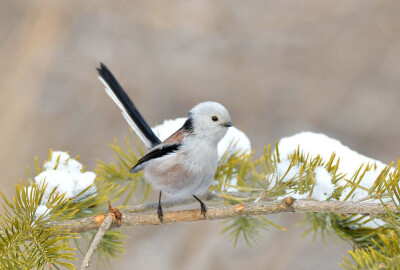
[(280, 67)]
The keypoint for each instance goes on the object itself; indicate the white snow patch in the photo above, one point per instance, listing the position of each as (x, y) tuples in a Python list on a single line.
[(282, 171), (234, 141), (65, 163), (297, 196), (350, 161), (323, 187), (168, 127), (372, 223), (40, 210), (60, 180), (319, 144), (28, 191), (367, 182), (83, 181), (375, 223), (66, 178)]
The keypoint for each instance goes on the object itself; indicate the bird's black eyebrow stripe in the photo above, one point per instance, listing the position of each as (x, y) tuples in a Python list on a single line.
[(188, 125), (157, 153)]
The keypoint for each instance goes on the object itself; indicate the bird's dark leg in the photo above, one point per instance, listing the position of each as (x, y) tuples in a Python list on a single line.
[(159, 211), (202, 206)]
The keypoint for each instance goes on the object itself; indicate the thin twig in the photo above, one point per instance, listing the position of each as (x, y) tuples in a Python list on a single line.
[(132, 218), (114, 214), (105, 225)]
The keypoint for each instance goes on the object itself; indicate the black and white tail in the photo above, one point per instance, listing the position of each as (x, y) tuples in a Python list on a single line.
[(129, 110)]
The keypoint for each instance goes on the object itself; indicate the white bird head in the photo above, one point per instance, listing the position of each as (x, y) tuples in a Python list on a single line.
[(210, 119)]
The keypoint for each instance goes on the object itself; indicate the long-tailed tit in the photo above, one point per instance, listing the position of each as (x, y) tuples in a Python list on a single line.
[(184, 164)]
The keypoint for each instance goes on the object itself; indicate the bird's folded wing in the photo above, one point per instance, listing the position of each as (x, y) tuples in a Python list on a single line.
[(157, 152)]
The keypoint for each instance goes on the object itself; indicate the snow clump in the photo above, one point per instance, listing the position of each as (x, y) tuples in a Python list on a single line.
[(64, 174)]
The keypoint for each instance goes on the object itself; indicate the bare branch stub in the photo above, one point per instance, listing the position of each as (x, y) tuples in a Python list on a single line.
[(117, 214), (289, 201)]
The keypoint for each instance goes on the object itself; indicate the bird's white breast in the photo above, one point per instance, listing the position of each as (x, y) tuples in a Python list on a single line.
[(189, 171)]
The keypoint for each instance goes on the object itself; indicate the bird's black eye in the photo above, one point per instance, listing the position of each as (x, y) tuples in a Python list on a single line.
[(214, 118)]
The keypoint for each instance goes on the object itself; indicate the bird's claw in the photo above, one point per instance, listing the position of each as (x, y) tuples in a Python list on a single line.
[(203, 209), (160, 213)]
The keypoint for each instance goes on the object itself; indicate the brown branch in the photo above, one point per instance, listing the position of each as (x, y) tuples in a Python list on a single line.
[(133, 218), (209, 196)]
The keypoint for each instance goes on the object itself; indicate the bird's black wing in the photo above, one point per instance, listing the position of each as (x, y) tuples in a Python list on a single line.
[(156, 153), (129, 110)]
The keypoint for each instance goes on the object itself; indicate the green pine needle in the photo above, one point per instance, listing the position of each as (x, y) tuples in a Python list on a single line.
[(249, 228), (25, 241)]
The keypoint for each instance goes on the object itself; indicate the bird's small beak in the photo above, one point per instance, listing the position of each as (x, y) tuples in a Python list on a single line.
[(229, 124)]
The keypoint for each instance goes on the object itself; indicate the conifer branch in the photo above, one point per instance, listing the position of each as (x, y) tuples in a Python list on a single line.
[(132, 218), (258, 183)]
